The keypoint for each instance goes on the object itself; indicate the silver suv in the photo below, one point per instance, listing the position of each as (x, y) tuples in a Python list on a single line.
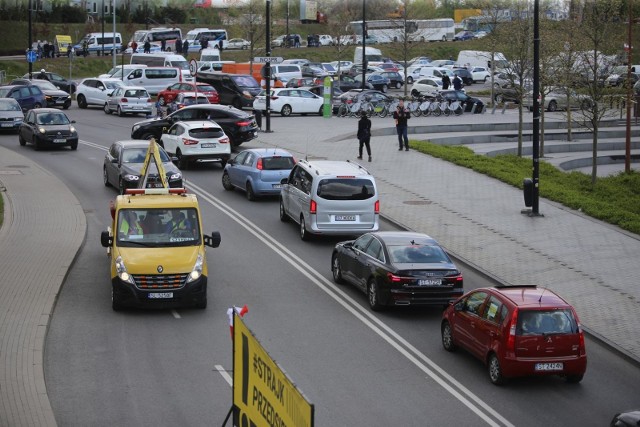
[(330, 198)]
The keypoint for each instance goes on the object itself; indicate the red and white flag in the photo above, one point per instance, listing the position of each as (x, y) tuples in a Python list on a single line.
[(241, 312)]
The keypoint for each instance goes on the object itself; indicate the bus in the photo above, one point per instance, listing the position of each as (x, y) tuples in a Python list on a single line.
[(213, 36), (418, 30), (155, 36)]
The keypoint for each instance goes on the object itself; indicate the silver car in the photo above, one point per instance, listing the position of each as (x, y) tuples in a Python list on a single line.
[(129, 100), (557, 98), (11, 115)]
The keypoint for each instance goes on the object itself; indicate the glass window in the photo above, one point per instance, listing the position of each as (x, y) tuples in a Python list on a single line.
[(375, 249), (362, 242), (346, 189), (239, 159), (419, 254), (158, 227), (536, 322), (493, 311), (213, 132), (277, 163), (474, 301)]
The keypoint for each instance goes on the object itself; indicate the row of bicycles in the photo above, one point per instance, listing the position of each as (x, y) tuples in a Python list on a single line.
[(418, 106)]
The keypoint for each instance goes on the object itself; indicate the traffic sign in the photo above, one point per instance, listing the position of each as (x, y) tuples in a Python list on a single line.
[(193, 67), (270, 59), (32, 56)]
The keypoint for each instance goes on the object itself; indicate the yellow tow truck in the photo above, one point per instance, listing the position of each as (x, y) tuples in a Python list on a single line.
[(156, 246)]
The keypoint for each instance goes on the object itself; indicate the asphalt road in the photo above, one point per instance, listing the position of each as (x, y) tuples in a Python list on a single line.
[(171, 367)]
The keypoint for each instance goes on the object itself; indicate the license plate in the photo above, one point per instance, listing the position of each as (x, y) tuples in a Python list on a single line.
[(345, 217), (160, 295), (6, 125), (208, 145), (154, 185), (276, 185), (549, 367), (429, 282), (60, 140)]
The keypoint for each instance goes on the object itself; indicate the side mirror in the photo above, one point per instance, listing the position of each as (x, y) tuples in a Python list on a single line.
[(213, 240), (231, 161), (284, 181), (73, 121), (105, 239), (459, 306)]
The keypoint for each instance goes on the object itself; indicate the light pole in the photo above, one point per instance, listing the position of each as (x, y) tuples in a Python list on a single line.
[(536, 111), (113, 51), (102, 42), (267, 69), (364, 46), (30, 42)]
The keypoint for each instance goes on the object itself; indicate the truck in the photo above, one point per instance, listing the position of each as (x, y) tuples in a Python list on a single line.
[(373, 56), (480, 58), (156, 246)]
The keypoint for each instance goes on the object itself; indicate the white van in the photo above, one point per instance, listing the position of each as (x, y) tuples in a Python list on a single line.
[(99, 42), (373, 56), (117, 68), (416, 73), (154, 79), (213, 36), (164, 59), (286, 72), (210, 55), (479, 58)]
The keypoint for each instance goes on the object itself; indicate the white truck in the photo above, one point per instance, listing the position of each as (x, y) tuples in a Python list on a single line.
[(480, 58), (373, 56)]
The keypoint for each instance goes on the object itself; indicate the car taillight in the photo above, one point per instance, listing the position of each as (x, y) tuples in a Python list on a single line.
[(376, 207), (511, 339), (582, 349), (243, 123), (224, 140), (187, 141), (259, 164), (393, 278), (124, 100), (313, 207)]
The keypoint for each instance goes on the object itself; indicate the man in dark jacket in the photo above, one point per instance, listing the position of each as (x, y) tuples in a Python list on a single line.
[(364, 134), (457, 83), (401, 115), (185, 48)]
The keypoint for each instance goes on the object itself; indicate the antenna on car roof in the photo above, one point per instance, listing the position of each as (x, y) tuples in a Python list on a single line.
[(540, 299)]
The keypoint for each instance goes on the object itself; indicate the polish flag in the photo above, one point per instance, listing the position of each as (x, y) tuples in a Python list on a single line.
[(241, 312)]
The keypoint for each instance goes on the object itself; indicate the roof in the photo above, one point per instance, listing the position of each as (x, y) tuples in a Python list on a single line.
[(264, 152), (132, 143), (532, 296), (158, 201), (206, 124), (405, 237), (335, 168)]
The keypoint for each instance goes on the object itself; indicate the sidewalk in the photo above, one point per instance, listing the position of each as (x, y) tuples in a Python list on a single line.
[(592, 264)]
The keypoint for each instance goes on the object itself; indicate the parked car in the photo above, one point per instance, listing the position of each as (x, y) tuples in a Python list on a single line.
[(240, 126), (94, 91), (129, 100), (54, 97), (346, 83), (463, 36), (390, 66), (278, 41), (48, 127), (57, 80), (480, 74), (378, 81), (465, 75), (123, 163), (468, 101), (335, 96), (169, 94), (196, 141), (238, 44), (397, 268), (329, 69), (426, 86), (305, 81), (314, 71), (11, 115), (28, 96), (185, 99), (517, 331), (258, 171), (289, 101), (395, 78), (557, 99)]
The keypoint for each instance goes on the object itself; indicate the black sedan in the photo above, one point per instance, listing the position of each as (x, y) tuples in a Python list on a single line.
[(397, 268), (468, 101), (378, 81), (238, 125), (346, 83), (123, 164), (48, 127), (58, 81)]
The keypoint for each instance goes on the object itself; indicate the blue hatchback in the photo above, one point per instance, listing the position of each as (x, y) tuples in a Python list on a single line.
[(258, 171), (27, 96)]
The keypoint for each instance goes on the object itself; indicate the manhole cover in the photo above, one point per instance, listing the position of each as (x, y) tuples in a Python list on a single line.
[(416, 202)]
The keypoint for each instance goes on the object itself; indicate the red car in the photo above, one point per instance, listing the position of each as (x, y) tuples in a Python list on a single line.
[(517, 331), (169, 94)]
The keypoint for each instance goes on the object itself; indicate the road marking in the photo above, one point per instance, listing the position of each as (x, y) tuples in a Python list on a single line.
[(175, 314), (223, 372)]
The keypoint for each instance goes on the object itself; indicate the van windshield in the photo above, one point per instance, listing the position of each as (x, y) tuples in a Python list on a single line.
[(346, 189), (158, 227)]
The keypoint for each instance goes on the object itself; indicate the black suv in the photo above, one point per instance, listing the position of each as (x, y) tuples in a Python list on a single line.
[(238, 90), (240, 126)]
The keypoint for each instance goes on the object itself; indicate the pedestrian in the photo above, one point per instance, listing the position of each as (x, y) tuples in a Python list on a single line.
[(85, 48), (178, 46), (446, 82), (258, 115), (185, 47), (297, 39), (147, 47), (163, 45), (39, 49), (364, 134), (204, 43), (220, 46), (401, 115), (42, 75), (457, 83), (134, 47)]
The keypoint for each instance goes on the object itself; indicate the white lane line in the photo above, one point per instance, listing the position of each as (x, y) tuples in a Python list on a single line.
[(383, 330), (223, 372)]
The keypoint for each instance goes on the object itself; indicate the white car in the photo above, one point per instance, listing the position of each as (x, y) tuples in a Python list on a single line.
[(196, 141), (129, 100), (278, 41), (325, 40), (289, 101), (94, 91), (426, 86), (238, 44), (480, 74)]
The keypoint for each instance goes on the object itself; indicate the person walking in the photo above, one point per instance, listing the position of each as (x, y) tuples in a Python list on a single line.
[(204, 43), (364, 134), (134, 47), (163, 45), (147, 47), (178, 46), (401, 115), (446, 82), (457, 83), (185, 48)]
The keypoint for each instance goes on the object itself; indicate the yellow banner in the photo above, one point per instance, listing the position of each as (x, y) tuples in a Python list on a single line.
[(263, 395)]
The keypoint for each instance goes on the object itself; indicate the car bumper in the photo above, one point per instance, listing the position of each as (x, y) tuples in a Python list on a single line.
[(188, 295), (346, 229), (6, 125), (266, 188), (57, 142), (133, 110), (134, 184), (427, 295), (521, 367)]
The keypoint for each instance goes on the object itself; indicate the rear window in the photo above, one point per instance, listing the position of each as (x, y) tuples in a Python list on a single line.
[(421, 254), (346, 189), (277, 163), (542, 322), (206, 133), (136, 93)]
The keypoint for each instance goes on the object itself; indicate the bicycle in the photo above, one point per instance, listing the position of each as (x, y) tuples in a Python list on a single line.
[(414, 107)]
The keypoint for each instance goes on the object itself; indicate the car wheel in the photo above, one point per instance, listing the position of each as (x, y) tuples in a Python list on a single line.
[(286, 110), (398, 85), (321, 111), (553, 106), (447, 337), (226, 181), (120, 113), (283, 214), (37, 105), (574, 379), (409, 80), (495, 371), (374, 295), (336, 270), (415, 93), (36, 143), (499, 99), (74, 147), (304, 234), (21, 140), (162, 101), (251, 196), (121, 188), (105, 177), (106, 108), (82, 102), (116, 302), (486, 78), (182, 161), (66, 105)]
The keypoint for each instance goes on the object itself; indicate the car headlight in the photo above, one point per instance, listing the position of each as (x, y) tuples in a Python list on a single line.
[(135, 128), (247, 94), (175, 176), (42, 130), (121, 270), (72, 129), (130, 177), (197, 270)]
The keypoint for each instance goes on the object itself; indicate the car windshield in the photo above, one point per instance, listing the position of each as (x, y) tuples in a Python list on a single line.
[(203, 133), (114, 84), (9, 105), (183, 65), (4, 92), (52, 119), (419, 254), (541, 322), (136, 93), (346, 189), (137, 155), (158, 227), (277, 163), (44, 84), (245, 81)]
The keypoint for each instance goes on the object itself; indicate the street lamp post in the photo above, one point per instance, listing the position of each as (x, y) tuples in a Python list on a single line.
[(102, 41), (30, 42), (364, 46), (267, 69), (113, 51), (536, 112)]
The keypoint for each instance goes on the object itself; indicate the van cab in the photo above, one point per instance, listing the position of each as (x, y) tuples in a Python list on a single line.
[(330, 198)]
